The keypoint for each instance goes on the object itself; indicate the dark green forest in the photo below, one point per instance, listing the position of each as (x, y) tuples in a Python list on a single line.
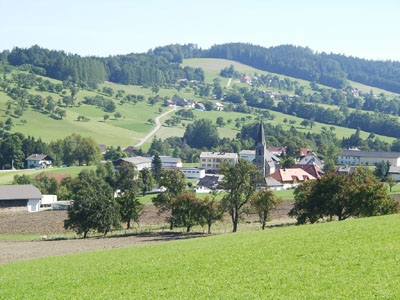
[(161, 66)]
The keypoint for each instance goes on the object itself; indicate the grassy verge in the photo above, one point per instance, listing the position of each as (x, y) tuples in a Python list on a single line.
[(355, 259)]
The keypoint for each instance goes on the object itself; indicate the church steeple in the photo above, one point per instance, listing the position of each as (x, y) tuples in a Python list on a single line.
[(261, 134), (261, 150)]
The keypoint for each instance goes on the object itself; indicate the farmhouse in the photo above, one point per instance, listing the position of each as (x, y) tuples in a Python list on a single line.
[(212, 161), (291, 177), (20, 197), (139, 162), (38, 161), (195, 173), (366, 158)]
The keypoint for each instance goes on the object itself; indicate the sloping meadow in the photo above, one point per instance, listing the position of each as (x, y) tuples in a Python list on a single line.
[(354, 259)]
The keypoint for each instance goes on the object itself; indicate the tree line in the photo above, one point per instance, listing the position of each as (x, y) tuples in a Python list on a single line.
[(72, 150), (152, 68)]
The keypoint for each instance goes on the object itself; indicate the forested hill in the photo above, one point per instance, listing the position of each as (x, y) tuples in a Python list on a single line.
[(148, 69), (161, 66)]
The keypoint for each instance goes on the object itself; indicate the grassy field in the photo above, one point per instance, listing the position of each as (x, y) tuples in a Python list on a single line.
[(355, 259), (6, 177)]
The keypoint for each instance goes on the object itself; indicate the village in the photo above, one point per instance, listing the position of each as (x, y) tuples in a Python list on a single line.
[(206, 177)]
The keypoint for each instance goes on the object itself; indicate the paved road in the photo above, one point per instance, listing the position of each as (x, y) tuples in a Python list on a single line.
[(158, 126)]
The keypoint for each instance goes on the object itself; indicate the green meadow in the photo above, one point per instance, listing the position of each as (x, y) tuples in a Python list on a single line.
[(354, 259), (7, 177)]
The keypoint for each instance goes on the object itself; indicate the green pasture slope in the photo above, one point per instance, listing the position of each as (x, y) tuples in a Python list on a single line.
[(355, 259)]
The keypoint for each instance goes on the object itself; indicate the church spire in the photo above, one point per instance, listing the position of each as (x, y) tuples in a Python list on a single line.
[(260, 134)]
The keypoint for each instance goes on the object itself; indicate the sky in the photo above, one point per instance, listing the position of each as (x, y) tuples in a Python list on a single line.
[(367, 29)]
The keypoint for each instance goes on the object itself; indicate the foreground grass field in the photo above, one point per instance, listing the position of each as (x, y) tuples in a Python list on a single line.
[(355, 259)]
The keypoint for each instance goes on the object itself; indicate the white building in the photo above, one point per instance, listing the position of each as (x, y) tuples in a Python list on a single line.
[(20, 197), (38, 161), (139, 162), (212, 161), (48, 200), (248, 155), (366, 158), (169, 162), (195, 173)]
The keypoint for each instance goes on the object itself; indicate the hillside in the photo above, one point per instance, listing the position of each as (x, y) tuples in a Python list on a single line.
[(133, 125), (322, 261)]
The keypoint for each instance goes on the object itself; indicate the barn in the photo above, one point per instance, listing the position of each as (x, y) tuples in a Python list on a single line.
[(20, 197)]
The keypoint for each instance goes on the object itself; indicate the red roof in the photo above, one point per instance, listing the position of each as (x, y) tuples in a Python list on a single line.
[(311, 169), (304, 151), (291, 175), (58, 177)]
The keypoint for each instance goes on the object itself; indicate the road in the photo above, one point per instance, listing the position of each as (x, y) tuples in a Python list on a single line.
[(158, 126)]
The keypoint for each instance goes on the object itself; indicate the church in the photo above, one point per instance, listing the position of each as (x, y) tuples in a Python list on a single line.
[(267, 162)]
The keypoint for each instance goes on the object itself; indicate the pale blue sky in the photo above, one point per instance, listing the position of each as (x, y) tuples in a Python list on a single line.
[(368, 29)]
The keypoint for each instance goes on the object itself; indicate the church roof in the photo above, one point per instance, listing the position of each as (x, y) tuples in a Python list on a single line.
[(261, 134)]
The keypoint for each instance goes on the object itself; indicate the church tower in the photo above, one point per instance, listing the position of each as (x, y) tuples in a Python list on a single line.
[(260, 159)]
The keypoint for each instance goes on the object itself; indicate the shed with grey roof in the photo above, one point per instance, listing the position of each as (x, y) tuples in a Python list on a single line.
[(20, 197)]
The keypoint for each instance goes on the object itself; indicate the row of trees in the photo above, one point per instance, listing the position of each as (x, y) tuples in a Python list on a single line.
[(240, 180), (74, 149), (360, 194)]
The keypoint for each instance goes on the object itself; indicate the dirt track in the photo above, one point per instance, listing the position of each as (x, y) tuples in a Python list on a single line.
[(51, 222), (23, 250)]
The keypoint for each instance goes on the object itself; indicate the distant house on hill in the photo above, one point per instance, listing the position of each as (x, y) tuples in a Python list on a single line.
[(199, 106), (39, 161), (367, 158), (218, 106), (58, 177), (20, 197), (139, 162), (103, 148)]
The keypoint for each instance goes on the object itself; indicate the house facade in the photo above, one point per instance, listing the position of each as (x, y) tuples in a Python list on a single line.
[(212, 161), (367, 158), (38, 161), (194, 173), (169, 162)]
